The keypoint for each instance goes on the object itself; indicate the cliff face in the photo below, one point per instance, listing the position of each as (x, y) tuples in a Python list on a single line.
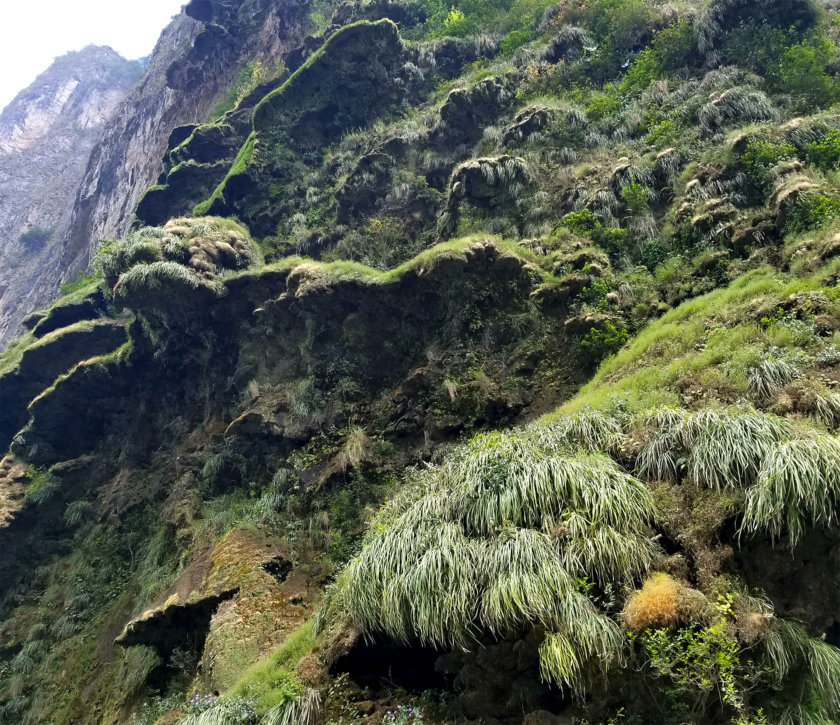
[(482, 365), (46, 135), (196, 60)]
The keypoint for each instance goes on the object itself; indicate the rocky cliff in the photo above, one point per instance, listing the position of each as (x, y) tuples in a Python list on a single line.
[(479, 364), (194, 64), (46, 136), (195, 61)]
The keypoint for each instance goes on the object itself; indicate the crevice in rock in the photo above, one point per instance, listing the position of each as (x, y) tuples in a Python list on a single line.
[(177, 633), (278, 567)]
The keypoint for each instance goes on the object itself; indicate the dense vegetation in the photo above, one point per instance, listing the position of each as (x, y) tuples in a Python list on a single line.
[(477, 363)]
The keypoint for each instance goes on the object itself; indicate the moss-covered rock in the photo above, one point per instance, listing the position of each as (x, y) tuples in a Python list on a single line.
[(351, 81), (47, 358)]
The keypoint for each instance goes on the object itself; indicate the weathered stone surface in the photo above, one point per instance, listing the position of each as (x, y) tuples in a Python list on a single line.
[(46, 135), (191, 66), (43, 361)]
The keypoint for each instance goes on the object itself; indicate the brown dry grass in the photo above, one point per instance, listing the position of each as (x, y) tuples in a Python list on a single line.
[(655, 605)]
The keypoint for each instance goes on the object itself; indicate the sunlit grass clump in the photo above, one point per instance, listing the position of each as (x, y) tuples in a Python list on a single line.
[(497, 537)]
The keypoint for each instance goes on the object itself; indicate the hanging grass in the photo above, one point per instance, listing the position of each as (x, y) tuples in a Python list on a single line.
[(303, 710), (589, 429), (768, 377), (716, 448), (498, 537), (798, 485)]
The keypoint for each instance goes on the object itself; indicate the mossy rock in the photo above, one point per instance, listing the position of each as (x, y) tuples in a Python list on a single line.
[(44, 360), (71, 310), (352, 80), (172, 269), (468, 111), (185, 186), (69, 417)]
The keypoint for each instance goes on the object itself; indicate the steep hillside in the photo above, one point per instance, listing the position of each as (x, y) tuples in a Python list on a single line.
[(476, 363), (46, 135)]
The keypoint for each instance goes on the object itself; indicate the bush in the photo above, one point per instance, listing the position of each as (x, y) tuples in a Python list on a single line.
[(35, 239), (619, 27), (803, 72), (811, 212), (761, 156), (675, 48), (605, 340), (698, 662), (603, 105), (825, 153)]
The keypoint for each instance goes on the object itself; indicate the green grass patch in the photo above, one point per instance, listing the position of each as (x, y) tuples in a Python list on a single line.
[(272, 680)]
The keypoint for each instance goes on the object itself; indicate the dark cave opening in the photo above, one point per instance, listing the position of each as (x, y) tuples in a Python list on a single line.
[(177, 634), (378, 665)]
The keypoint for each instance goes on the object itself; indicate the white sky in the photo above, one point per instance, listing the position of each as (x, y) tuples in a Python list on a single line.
[(34, 32)]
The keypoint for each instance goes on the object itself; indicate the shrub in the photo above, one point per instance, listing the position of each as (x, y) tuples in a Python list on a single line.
[(811, 212), (603, 105), (619, 27), (762, 154), (656, 605), (697, 661), (514, 40), (35, 239), (825, 153), (803, 72), (606, 339)]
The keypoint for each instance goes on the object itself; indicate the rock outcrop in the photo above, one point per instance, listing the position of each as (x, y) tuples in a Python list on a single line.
[(46, 135)]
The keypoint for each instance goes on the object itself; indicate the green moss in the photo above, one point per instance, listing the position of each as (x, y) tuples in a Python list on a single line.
[(243, 158), (272, 680), (343, 270), (708, 340)]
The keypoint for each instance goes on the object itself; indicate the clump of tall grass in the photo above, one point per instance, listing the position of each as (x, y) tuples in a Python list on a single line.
[(716, 448), (302, 710), (766, 378), (787, 646), (798, 485), (736, 105), (589, 429), (497, 537)]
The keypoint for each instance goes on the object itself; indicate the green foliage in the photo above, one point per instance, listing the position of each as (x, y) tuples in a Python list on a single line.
[(812, 212), (605, 339), (804, 72), (272, 681), (699, 662), (636, 197), (251, 76), (619, 27), (516, 19), (43, 485), (35, 239), (646, 68), (603, 105), (825, 153), (514, 40), (798, 486), (762, 155), (489, 539)]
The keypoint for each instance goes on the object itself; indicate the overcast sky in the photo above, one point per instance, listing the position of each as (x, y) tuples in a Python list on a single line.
[(33, 32)]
